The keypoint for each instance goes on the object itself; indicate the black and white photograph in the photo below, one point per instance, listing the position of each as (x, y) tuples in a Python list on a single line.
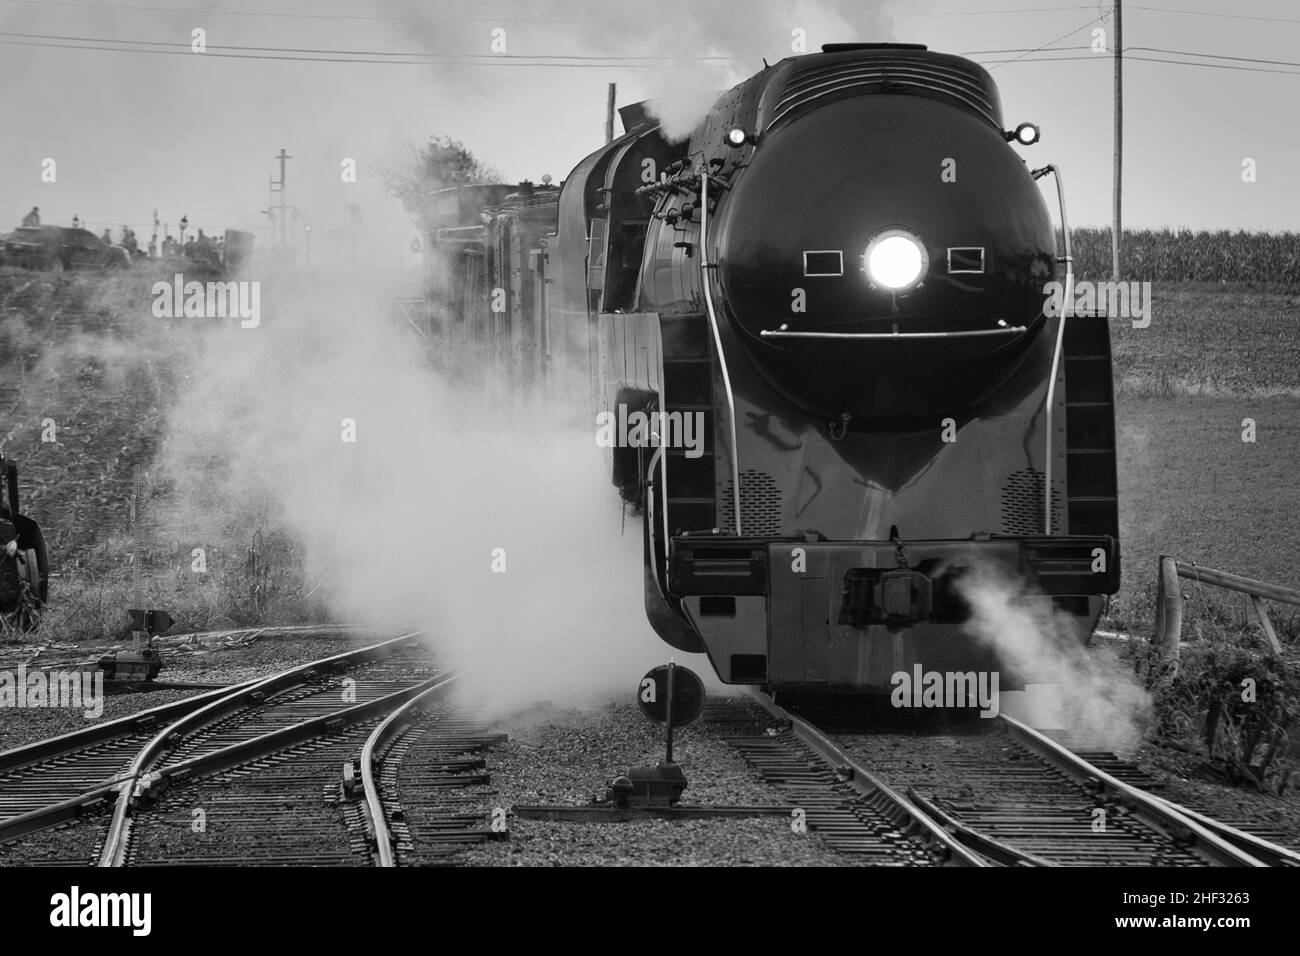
[(697, 435)]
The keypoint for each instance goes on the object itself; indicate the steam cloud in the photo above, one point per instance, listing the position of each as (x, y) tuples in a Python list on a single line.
[(1098, 697), (405, 520), (711, 45)]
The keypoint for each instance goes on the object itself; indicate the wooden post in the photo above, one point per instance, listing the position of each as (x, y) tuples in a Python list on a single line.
[(1169, 609), (1271, 634)]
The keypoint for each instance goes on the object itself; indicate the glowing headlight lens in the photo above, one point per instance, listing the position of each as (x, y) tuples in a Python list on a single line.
[(895, 260), (1027, 134)]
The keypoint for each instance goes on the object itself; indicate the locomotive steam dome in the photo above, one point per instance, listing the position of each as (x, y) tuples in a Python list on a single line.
[(884, 254)]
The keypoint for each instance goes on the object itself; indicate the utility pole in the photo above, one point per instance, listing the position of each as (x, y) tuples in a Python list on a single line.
[(1119, 136), (277, 186), (609, 114)]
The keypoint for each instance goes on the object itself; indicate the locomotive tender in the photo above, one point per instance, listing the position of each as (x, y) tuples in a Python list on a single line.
[(841, 273)]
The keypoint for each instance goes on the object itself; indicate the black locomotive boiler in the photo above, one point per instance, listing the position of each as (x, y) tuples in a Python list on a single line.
[(841, 276)]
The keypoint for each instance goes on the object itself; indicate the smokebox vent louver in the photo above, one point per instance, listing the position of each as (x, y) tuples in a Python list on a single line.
[(760, 503), (1022, 503)]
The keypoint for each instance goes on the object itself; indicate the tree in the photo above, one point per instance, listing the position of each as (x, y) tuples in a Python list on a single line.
[(440, 163)]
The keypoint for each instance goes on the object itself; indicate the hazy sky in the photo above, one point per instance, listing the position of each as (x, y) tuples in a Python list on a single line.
[(149, 124)]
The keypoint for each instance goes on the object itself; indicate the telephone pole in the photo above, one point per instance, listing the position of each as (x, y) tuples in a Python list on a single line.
[(277, 187), (1119, 136)]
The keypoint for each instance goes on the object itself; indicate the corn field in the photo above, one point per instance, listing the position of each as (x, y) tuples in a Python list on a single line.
[(1167, 255)]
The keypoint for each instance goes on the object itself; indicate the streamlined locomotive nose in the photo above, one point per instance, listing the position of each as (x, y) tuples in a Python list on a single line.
[(884, 256)]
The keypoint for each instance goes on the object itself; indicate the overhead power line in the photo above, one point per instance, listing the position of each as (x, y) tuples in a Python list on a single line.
[(1021, 11), (1039, 49), (184, 47), (207, 12), (323, 55), (1224, 16)]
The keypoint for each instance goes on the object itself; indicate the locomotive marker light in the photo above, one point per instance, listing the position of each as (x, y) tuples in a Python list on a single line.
[(1026, 134), (895, 261), (737, 137)]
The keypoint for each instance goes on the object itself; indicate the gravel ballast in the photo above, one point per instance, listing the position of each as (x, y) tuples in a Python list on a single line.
[(565, 757)]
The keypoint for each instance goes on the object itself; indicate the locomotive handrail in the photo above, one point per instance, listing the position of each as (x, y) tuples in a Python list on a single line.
[(1067, 300), (717, 337), (784, 334)]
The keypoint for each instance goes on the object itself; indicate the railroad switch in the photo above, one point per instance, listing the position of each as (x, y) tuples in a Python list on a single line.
[(672, 696), (657, 786), (143, 662)]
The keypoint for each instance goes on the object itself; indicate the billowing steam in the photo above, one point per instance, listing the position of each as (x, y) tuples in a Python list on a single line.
[(1095, 696), (701, 47), (488, 525)]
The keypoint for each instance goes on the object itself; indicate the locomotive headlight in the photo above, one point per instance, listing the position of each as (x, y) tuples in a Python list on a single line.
[(895, 260)]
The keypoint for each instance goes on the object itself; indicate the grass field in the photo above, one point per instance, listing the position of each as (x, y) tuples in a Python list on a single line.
[(1217, 364), (1189, 485)]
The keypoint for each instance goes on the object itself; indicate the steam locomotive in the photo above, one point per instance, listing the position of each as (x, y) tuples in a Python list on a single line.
[(841, 277)]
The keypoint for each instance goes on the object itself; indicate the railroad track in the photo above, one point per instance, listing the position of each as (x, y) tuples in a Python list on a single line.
[(425, 781), (102, 795), (1016, 797), (853, 810)]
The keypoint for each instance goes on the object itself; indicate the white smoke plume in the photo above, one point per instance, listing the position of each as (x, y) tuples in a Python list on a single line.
[(1098, 698), (704, 46), (500, 533)]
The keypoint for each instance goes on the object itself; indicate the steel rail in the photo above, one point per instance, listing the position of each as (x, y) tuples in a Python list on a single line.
[(78, 804), (1001, 853), (245, 751), (379, 738), (75, 740), (866, 783), (1156, 813), (132, 780), (1268, 852)]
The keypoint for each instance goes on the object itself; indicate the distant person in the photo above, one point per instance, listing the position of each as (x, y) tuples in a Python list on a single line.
[(169, 247), (33, 218), (153, 247), (107, 236)]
